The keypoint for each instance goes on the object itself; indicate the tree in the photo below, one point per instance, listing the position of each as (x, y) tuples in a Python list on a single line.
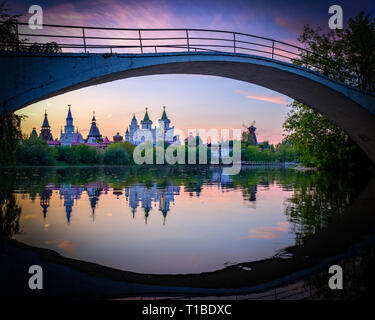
[(72, 155), (126, 146), (86, 154), (8, 30), (34, 151), (116, 155), (10, 124), (320, 142), (10, 135), (284, 152)]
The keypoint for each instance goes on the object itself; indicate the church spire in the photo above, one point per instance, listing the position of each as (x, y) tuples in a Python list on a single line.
[(146, 122), (94, 134), (45, 132), (146, 118), (69, 127), (45, 122), (69, 117), (164, 115)]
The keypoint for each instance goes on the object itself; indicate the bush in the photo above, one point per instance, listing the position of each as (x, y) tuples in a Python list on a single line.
[(61, 152), (253, 153), (126, 146), (86, 154), (34, 151), (79, 154), (72, 156), (116, 156)]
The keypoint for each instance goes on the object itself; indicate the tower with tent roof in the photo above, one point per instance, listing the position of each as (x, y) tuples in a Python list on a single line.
[(45, 132)]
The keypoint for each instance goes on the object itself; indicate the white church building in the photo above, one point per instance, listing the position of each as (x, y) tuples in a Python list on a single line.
[(136, 134)]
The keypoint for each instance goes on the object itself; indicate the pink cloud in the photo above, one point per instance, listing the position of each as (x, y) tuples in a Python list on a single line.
[(274, 98), (267, 232), (111, 14)]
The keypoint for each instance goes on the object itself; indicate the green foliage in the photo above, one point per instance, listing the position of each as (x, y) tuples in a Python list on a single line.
[(10, 135), (72, 156), (34, 151), (80, 154), (283, 152), (352, 47), (321, 143), (253, 153), (116, 155), (87, 155), (126, 146), (8, 30)]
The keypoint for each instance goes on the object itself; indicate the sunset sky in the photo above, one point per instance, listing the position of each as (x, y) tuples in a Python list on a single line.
[(192, 101)]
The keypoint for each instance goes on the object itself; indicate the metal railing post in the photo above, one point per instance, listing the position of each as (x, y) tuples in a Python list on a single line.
[(187, 40), (140, 39), (273, 48), (84, 38), (234, 42)]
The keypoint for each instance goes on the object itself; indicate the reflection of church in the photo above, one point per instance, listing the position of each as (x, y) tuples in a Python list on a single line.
[(94, 191), (44, 201), (138, 195), (69, 193)]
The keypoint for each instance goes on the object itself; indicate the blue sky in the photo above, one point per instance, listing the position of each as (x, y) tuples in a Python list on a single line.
[(192, 101)]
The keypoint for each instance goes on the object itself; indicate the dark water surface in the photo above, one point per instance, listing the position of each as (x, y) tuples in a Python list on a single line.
[(169, 220)]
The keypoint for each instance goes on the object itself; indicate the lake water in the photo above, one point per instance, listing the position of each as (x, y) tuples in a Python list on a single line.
[(168, 220)]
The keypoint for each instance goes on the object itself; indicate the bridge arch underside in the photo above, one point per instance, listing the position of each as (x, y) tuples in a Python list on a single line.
[(329, 98)]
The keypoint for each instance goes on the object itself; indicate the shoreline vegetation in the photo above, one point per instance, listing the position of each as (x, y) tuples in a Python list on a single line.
[(34, 151)]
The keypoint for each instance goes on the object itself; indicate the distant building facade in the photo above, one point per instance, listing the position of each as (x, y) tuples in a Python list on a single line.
[(118, 137), (70, 136), (94, 133), (163, 132), (45, 132)]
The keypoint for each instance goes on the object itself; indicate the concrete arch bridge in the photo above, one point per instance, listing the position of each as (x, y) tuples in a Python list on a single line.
[(92, 56)]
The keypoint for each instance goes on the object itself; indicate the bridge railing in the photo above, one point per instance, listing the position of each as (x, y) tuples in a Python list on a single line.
[(128, 40)]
